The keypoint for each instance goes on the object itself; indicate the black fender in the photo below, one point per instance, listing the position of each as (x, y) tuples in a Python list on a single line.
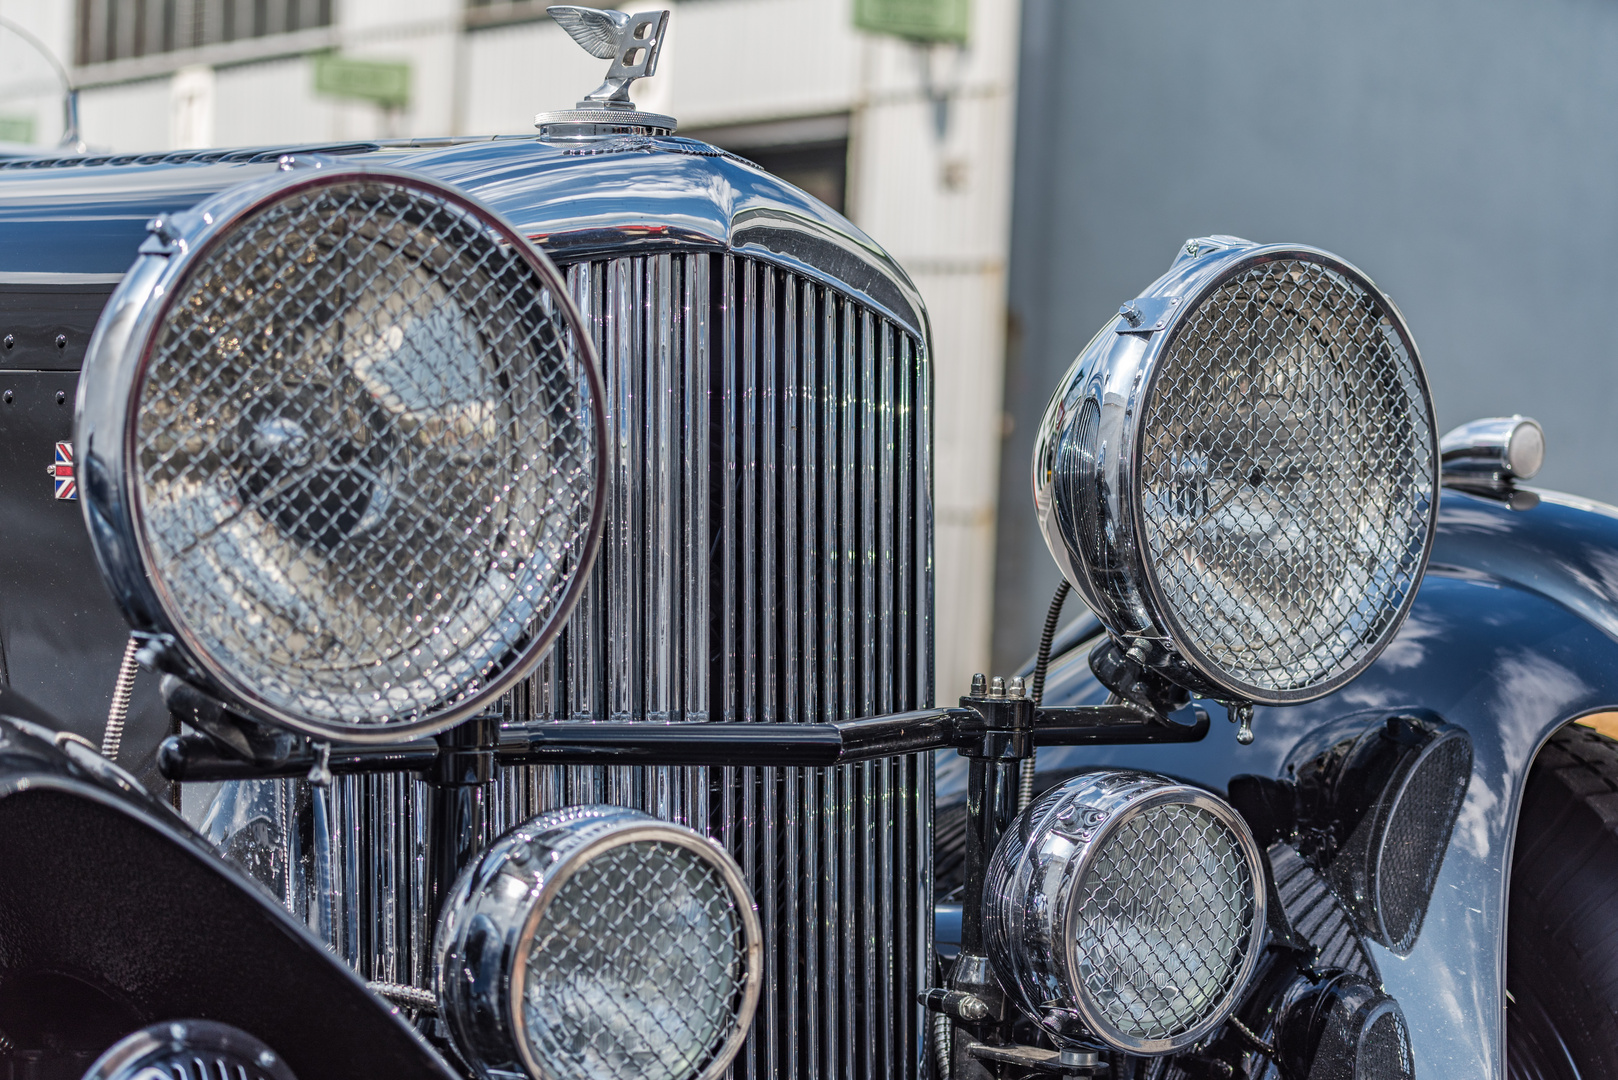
[(1513, 634), (112, 907)]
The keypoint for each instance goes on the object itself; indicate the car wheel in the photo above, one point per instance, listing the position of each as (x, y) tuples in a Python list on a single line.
[(1562, 922)]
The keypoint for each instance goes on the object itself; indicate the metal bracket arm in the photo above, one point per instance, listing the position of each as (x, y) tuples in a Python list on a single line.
[(199, 757)]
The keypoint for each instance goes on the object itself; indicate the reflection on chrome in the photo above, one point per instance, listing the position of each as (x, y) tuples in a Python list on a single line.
[(598, 943), (1248, 489), (365, 455), (1126, 907)]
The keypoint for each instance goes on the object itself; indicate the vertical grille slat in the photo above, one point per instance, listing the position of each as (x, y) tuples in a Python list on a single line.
[(766, 558)]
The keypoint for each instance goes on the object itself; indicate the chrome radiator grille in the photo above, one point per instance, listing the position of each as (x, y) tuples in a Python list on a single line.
[(766, 558)]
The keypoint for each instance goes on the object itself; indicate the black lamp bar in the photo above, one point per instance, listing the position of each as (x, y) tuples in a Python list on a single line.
[(198, 757)]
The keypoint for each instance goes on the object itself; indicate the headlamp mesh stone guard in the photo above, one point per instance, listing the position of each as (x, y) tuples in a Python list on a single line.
[(1252, 479), (636, 969), (1126, 907), (365, 446), (599, 943), (1162, 920), (1286, 475)]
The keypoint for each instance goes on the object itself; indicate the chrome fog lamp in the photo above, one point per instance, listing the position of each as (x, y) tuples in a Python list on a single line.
[(598, 943), (341, 433), (1128, 908), (1240, 474)]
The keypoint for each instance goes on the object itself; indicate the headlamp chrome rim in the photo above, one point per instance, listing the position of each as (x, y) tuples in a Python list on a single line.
[(485, 1006), (1115, 378), (1173, 795), (107, 432), (649, 829), (1032, 909)]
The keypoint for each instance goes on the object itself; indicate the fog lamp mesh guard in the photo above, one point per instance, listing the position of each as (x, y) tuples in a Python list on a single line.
[(1250, 480), (362, 441), (597, 943), (1126, 907)]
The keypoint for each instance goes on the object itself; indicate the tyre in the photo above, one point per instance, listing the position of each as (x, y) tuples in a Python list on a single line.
[(1562, 919)]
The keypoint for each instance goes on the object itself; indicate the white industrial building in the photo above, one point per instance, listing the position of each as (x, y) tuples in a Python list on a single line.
[(914, 141)]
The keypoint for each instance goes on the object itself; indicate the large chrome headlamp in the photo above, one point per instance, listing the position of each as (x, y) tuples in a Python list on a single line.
[(1125, 907), (598, 943), (341, 441), (1240, 472)]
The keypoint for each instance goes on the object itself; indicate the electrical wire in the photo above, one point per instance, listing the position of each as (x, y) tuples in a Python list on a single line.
[(1042, 663)]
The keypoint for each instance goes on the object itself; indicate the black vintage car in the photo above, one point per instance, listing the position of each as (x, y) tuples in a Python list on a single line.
[(509, 564)]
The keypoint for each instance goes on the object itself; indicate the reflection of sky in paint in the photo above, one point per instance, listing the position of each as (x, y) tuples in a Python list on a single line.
[(1449, 980), (1473, 823), (1409, 648), (1532, 689)]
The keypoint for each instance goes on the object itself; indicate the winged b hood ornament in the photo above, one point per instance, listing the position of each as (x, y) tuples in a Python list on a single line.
[(631, 42)]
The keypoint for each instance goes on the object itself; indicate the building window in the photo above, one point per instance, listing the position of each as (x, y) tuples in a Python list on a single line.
[(809, 152), (125, 29), (498, 12)]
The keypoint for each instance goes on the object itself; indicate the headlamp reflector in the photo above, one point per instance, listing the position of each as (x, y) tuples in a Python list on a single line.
[(632, 968), (1245, 484), (598, 943), (358, 451), (1125, 907)]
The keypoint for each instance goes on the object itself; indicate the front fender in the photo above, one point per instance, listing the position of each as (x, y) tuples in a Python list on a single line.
[(105, 888), (1513, 634)]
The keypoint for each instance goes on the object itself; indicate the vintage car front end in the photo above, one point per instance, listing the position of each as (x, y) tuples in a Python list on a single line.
[(694, 486), (530, 543)]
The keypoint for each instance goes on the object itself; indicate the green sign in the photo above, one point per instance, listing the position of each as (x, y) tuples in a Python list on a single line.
[(387, 84), (919, 20), (17, 129)]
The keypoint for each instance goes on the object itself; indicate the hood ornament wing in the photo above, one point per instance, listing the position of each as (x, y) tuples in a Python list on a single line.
[(597, 30), (632, 43)]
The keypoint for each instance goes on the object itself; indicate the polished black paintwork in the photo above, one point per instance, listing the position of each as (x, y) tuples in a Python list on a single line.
[(147, 922), (60, 633), (46, 326), (1513, 634)]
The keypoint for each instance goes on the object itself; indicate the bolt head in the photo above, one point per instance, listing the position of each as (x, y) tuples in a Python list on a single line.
[(980, 684), (1017, 688), (997, 687), (973, 1007)]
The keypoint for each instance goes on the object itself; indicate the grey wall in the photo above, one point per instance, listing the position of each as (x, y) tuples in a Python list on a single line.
[(1463, 153)]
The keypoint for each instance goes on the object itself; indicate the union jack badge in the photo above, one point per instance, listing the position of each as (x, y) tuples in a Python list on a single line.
[(62, 472)]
